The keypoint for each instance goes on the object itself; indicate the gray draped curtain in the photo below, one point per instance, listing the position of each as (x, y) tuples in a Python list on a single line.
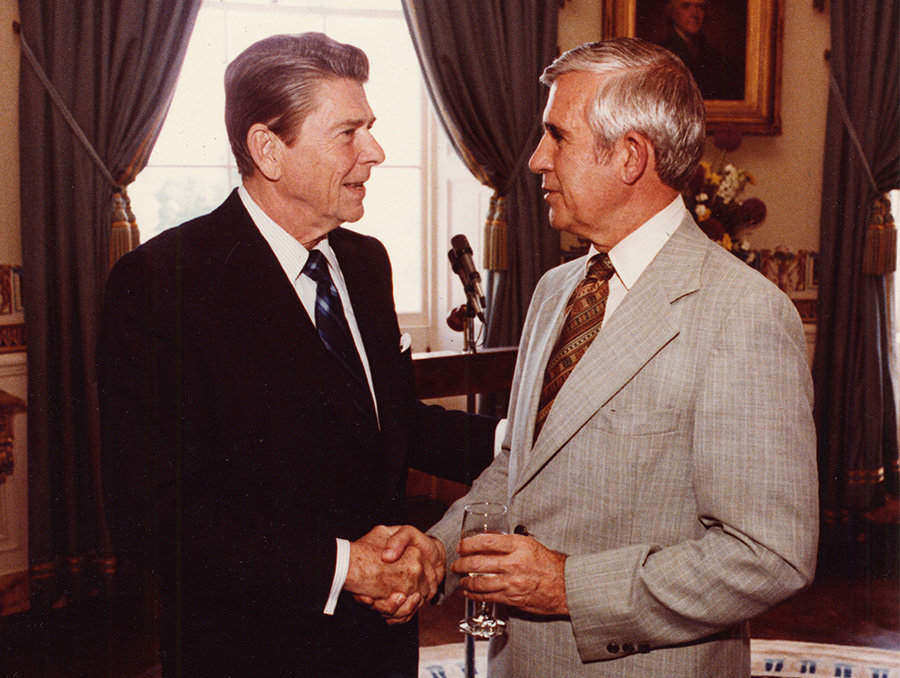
[(114, 64), (855, 411), (481, 62)]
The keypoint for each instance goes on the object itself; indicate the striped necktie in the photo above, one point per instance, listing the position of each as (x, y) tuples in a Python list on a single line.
[(331, 322), (584, 315)]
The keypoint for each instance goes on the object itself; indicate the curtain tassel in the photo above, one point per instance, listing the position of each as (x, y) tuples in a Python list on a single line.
[(120, 241), (495, 256), (880, 250), (132, 222)]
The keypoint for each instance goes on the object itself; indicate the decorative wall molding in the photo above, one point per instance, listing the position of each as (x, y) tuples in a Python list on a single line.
[(14, 584)]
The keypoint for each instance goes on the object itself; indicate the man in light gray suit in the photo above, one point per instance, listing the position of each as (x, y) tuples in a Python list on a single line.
[(663, 490)]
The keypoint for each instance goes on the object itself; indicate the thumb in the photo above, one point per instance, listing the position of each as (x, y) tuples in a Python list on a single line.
[(396, 545)]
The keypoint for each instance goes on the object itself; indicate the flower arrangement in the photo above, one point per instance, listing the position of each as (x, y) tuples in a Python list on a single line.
[(713, 197)]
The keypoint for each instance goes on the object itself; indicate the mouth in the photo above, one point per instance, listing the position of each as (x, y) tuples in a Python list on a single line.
[(357, 187)]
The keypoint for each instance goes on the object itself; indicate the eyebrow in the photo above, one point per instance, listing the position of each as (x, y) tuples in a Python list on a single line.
[(355, 122), (554, 131)]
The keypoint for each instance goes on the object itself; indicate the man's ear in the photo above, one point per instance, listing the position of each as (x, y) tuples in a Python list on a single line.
[(639, 157), (265, 149)]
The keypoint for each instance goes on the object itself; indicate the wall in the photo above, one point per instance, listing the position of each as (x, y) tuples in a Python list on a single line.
[(10, 230), (13, 378), (788, 167)]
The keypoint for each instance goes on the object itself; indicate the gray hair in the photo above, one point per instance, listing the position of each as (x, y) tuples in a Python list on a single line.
[(275, 82), (650, 91)]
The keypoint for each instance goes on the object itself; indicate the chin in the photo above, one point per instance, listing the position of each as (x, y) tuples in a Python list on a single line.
[(559, 224), (351, 216)]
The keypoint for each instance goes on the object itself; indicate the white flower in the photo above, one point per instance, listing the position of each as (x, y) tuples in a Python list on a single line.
[(702, 212), (733, 182)]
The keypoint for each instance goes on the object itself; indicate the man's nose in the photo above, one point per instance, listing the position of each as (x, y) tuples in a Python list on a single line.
[(539, 160), (372, 152)]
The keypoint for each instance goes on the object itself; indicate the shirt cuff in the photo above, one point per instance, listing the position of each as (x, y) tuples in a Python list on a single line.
[(341, 565), (499, 435)]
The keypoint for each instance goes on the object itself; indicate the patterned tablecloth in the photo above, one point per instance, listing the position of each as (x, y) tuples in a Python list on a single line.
[(770, 658)]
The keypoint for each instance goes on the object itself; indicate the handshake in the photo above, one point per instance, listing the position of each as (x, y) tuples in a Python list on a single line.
[(395, 570)]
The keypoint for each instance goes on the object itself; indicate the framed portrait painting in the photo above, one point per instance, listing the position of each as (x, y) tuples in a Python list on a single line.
[(733, 48)]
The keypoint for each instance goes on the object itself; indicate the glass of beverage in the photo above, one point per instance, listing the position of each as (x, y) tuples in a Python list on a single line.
[(483, 517)]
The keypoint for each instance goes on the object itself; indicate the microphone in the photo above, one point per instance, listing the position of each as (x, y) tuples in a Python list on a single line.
[(464, 267)]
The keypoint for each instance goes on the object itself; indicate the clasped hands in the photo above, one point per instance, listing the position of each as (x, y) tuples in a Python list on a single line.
[(523, 573), (395, 570)]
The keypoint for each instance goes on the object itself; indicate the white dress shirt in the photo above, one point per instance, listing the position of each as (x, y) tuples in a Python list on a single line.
[(633, 254), (292, 256)]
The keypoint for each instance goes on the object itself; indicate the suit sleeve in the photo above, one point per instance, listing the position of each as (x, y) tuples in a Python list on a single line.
[(753, 467), (134, 423), (450, 444)]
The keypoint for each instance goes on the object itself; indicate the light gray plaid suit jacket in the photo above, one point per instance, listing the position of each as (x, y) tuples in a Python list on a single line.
[(677, 469)]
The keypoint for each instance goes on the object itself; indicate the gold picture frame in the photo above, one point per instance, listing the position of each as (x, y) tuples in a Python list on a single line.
[(752, 30)]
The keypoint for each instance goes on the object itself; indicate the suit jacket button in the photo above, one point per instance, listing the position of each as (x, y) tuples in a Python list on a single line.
[(520, 529), (628, 648), (612, 648)]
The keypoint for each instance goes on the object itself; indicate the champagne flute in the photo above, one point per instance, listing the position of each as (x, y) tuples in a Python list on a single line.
[(482, 518)]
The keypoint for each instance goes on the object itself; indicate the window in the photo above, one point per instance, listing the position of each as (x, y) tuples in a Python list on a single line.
[(191, 169)]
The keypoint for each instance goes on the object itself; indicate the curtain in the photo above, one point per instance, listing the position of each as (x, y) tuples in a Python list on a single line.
[(481, 62), (855, 407), (114, 63)]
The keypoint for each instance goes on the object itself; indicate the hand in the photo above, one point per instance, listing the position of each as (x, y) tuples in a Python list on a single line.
[(523, 573), (406, 536), (398, 585), (433, 549)]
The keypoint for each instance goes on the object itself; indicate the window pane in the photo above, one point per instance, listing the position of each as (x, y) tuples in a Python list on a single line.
[(194, 130), (394, 90), (394, 216), (246, 26), (164, 197)]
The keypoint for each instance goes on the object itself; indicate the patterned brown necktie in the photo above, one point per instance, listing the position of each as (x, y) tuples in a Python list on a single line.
[(584, 314)]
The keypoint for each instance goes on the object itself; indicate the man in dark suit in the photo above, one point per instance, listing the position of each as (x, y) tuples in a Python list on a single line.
[(258, 408)]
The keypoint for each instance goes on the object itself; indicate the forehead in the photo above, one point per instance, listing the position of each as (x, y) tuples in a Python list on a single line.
[(339, 101), (570, 96)]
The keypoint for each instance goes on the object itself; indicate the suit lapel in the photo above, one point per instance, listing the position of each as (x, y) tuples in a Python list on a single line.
[(636, 331), (254, 284), (546, 328)]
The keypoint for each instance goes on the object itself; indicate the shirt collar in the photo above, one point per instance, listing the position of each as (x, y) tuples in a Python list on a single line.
[(291, 254), (635, 252)]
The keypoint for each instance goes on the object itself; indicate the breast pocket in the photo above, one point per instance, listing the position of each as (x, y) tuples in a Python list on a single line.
[(639, 442), (639, 423)]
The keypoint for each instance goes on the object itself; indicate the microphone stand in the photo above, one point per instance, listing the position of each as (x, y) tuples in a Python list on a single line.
[(469, 329), (469, 347)]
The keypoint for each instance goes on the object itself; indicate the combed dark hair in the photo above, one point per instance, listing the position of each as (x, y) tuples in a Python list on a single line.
[(650, 91), (275, 82)]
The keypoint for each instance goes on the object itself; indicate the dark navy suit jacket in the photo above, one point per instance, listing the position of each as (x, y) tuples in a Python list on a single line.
[(234, 455)]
